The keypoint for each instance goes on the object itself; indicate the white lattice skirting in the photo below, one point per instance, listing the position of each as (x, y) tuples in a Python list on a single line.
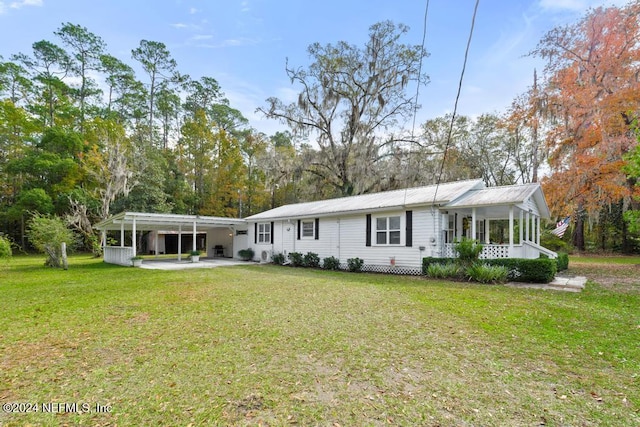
[(387, 269), (495, 251)]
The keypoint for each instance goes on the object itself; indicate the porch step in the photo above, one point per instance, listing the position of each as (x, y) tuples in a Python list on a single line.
[(560, 283)]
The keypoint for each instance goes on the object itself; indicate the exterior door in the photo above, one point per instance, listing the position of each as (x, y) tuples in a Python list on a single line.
[(288, 238)]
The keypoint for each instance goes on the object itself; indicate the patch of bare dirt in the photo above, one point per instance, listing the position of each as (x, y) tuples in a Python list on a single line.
[(616, 277)]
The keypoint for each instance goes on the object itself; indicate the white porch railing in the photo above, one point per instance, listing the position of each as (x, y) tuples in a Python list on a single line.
[(534, 250), (490, 251), (118, 255)]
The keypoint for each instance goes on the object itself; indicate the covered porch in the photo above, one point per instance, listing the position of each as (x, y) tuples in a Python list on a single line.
[(506, 220), (121, 235)]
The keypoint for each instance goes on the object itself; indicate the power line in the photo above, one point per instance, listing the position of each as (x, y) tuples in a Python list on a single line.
[(455, 106), (424, 38)]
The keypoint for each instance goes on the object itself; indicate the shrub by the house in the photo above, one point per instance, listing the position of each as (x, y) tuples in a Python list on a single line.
[(355, 264), (445, 270), (311, 260), (296, 258), (278, 258), (485, 273), (246, 254), (468, 251), (331, 263), (427, 261)]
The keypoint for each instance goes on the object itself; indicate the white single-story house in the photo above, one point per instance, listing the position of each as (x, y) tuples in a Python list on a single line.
[(389, 231), (394, 230)]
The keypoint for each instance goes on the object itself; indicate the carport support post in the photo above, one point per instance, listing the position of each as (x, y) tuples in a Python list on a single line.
[(156, 245), (133, 236), (180, 242), (122, 234), (193, 246)]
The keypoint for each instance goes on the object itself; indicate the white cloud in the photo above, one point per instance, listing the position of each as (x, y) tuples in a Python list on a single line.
[(193, 11), (18, 5), (241, 41), (244, 5), (202, 37), (179, 25)]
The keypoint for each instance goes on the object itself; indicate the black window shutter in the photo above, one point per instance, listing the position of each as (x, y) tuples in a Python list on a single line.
[(272, 232), (255, 233), (409, 230), (299, 226), (368, 236), (317, 228)]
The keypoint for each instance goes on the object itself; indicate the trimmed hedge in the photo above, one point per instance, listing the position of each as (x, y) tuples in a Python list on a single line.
[(563, 261), (541, 270)]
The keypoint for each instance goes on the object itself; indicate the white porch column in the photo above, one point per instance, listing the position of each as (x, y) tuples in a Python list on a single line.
[(133, 237), (180, 242), (537, 230), (193, 245), (487, 235), (473, 223), (521, 225), (122, 234), (526, 237), (511, 229), (459, 229)]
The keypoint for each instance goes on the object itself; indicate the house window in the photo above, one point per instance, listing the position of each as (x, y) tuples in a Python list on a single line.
[(308, 229), (264, 232), (388, 230)]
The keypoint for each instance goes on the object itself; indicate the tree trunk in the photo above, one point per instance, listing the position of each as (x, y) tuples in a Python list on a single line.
[(63, 251), (578, 232)]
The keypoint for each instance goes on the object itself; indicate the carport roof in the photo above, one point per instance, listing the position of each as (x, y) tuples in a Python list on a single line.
[(156, 221)]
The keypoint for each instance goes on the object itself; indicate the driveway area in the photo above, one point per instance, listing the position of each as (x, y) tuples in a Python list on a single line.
[(174, 264)]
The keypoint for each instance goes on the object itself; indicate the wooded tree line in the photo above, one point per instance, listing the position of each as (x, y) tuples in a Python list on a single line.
[(82, 136)]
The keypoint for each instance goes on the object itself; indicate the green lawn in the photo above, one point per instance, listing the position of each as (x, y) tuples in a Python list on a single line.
[(269, 345)]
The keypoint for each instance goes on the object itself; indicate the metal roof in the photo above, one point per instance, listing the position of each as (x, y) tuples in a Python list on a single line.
[(505, 196), (155, 221), (418, 196)]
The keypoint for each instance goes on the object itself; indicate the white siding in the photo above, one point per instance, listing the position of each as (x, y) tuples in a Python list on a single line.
[(530, 204), (345, 237), (222, 237), (353, 240)]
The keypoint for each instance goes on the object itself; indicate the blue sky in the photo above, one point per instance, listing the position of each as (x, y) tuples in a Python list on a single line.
[(244, 43)]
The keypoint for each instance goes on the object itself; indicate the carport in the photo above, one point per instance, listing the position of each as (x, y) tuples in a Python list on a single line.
[(136, 222)]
